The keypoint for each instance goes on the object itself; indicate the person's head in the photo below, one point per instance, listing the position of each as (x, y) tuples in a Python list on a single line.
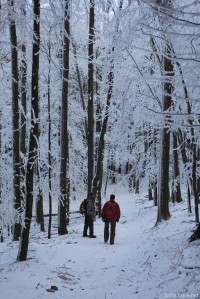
[(112, 197)]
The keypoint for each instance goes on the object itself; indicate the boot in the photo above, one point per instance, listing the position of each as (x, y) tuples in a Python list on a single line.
[(92, 236), (85, 235)]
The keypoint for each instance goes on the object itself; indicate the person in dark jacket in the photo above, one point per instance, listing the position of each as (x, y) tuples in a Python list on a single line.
[(110, 215), (89, 217)]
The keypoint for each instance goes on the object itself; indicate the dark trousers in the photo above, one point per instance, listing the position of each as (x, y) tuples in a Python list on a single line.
[(89, 223), (109, 226)]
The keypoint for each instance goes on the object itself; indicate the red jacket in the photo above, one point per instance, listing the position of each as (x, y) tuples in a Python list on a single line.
[(111, 211)]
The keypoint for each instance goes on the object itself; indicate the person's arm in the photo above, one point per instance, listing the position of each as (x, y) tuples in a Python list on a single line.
[(103, 211), (118, 212)]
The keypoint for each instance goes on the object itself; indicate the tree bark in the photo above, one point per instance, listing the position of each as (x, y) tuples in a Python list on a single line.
[(177, 188), (97, 182), (15, 122), (63, 206), (23, 112), (78, 73), (163, 181), (49, 139), (90, 136), (38, 174), (182, 142), (194, 180), (195, 235), (193, 149), (1, 216), (33, 144)]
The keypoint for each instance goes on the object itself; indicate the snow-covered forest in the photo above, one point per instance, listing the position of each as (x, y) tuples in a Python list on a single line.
[(94, 94)]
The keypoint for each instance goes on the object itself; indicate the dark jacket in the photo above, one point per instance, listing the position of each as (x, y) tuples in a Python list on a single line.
[(90, 211)]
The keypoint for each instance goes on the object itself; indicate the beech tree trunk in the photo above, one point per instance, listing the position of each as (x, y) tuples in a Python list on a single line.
[(195, 235), (1, 217), (49, 139), (15, 122), (90, 136), (176, 192), (63, 206), (182, 142), (38, 175), (97, 182), (23, 112), (33, 144), (193, 148), (163, 181)]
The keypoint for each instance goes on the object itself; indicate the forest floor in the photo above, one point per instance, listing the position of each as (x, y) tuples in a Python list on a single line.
[(146, 261)]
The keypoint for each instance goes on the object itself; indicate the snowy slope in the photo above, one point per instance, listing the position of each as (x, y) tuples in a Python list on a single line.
[(145, 262)]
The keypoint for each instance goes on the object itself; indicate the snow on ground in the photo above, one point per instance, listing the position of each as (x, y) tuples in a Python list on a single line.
[(145, 262)]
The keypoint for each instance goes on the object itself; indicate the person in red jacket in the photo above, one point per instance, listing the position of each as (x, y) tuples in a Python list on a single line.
[(110, 215)]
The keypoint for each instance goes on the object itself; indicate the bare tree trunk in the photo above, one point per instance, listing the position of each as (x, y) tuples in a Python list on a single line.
[(1, 216), (80, 88), (163, 195), (98, 125), (112, 168), (38, 175), (15, 121), (155, 185), (101, 145), (193, 147), (189, 199), (63, 206), (181, 142), (49, 139), (177, 188), (33, 145), (39, 195), (90, 136), (1, 228), (137, 186), (155, 194), (194, 180), (23, 112), (198, 178), (150, 191), (196, 234)]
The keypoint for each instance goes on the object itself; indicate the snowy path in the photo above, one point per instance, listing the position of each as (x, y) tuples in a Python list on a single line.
[(145, 262)]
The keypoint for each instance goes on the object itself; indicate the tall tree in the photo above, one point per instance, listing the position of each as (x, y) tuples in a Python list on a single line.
[(191, 143), (97, 182), (176, 192), (39, 196), (33, 143), (64, 140), (1, 217), (163, 180), (39, 199), (23, 96), (182, 143), (49, 137), (90, 137), (15, 121)]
